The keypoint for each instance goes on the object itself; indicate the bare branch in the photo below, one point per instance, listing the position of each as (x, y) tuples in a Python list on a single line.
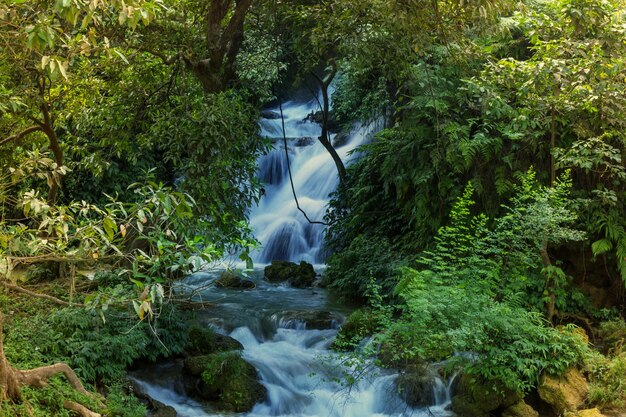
[(21, 134)]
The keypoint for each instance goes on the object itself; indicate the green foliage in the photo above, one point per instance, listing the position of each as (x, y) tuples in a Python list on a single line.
[(360, 324), (214, 142), (496, 341), (99, 352), (607, 389), (228, 374), (122, 404), (351, 271)]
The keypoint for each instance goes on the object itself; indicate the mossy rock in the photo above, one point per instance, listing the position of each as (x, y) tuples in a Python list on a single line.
[(203, 341), (359, 325), (479, 398), (564, 393), (232, 381), (520, 409), (229, 279), (415, 386), (299, 276)]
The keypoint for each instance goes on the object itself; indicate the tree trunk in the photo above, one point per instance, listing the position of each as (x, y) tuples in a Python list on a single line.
[(223, 42), (48, 128), (325, 138), (550, 286), (552, 145)]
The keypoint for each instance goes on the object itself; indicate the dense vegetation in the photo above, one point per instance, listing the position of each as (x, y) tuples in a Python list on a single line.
[(483, 225)]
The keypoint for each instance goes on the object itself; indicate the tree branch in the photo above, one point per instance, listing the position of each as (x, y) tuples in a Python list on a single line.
[(21, 134), (55, 300)]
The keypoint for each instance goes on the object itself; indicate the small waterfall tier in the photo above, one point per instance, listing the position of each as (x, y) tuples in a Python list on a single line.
[(284, 232)]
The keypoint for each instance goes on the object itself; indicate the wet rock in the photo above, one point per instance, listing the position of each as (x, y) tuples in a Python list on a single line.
[(204, 341), (565, 393), (318, 117), (341, 139), (318, 320), (415, 386), (300, 276), (229, 279), (304, 141), (520, 409), (162, 410), (270, 114), (226, 380)]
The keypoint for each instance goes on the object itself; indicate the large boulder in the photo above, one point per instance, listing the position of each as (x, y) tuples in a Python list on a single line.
[(416, 386), (229, 279), (520, 409), (203, 341), (300, 276), (318, 320), (226, 380), (564, 393)]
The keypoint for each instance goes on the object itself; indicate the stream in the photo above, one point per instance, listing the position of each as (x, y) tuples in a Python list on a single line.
[(294, 363)]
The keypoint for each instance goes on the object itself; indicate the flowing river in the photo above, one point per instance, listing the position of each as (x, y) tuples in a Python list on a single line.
[(294, 363)]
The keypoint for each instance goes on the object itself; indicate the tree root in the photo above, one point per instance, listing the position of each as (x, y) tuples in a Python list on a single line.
[(12, 379), (80, 409)]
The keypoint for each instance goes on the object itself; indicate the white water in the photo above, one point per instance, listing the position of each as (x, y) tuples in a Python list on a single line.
[(284, 232), (294, 364)]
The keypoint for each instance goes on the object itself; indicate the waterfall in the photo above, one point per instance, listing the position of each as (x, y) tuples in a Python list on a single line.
[(295, 364), (284, 232)]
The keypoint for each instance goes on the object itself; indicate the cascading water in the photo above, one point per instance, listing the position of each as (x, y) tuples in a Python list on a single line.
[(294, 363), (284, 232)]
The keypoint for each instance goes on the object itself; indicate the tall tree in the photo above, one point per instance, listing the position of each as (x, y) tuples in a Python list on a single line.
[(41, 41)]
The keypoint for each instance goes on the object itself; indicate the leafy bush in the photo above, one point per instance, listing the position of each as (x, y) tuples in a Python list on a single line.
[(352, 270), (497, 341), (122, 404), (359, 324), (607, 388)]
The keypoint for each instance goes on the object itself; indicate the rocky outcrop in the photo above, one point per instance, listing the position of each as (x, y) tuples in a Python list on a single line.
[(520, 409), (566, 393), (229, 279), (300, 276)]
